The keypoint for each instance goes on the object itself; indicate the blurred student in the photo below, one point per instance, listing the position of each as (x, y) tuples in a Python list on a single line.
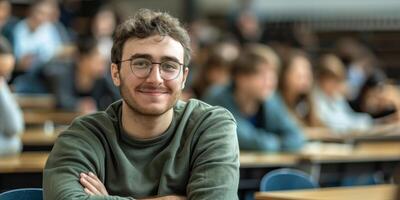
[(263, 123), (359, 62), (296, 83), (7, 21), (36, 40), (378, 98), (247, 27), (329, 97), (103, 26), (81, 85), (65, 34), (295, 87), (216, 70), (11, 120)]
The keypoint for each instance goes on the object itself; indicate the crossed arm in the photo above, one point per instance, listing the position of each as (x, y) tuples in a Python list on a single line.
[(93, 186)]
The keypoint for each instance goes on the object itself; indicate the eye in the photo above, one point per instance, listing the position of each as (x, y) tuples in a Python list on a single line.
[(170, 66), (141, 63)]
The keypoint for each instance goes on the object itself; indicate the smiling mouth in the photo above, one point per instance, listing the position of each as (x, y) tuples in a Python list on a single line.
[(153, 92)]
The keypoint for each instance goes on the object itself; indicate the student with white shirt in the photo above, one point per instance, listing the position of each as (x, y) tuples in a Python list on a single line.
[(11, 120)]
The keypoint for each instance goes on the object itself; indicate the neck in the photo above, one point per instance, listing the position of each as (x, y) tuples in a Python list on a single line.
[(142, 126), (248, 106)]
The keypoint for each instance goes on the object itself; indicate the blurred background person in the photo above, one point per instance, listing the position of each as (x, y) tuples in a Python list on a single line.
[(36, 38), (295, 86), (80, 83), (359, 62), (263, 123), (216, 70), (11, 119), (103, 26), (36, 41), (7, 21), (329, 97), (379, 98), (247, 27)]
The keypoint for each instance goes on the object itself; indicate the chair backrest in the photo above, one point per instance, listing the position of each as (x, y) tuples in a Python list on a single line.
[(287, 179), (23, 194)]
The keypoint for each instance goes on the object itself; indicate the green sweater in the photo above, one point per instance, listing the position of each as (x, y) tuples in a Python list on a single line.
[(197, 156)]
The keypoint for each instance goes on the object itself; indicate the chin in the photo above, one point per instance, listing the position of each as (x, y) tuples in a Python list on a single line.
[(155, 110), (149, 109)]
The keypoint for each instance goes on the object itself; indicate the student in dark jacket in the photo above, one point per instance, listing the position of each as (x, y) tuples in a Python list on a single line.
[(81, 85)]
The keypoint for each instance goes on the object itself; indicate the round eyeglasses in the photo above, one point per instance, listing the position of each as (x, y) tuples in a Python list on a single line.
[(141, 68)]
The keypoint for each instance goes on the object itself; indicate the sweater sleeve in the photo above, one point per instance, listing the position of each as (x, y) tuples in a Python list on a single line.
[(12, 122), (215, 161), (73, 153)]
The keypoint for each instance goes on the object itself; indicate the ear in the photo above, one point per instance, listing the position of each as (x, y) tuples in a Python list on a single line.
[(185, 74), (115, 75)]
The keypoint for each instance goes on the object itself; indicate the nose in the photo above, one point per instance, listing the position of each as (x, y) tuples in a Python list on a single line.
[(154, 76)]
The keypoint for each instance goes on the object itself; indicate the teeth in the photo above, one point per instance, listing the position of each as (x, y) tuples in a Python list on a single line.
[(152, 91)]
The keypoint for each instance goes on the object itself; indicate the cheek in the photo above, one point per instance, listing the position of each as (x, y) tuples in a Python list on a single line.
[(271, 80), (174, 85)]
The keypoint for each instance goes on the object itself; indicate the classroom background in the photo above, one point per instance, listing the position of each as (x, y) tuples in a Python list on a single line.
[(337, 77)]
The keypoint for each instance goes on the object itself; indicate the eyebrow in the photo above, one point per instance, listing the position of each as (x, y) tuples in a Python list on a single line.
[(148, 56)]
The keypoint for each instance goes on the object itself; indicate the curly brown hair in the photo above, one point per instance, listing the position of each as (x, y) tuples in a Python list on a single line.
[(146, 23)]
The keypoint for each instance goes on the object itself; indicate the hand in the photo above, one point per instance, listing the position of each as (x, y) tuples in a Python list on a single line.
[(92, 185)]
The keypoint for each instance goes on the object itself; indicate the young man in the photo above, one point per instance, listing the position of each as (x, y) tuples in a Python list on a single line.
[(149, 145), (263, 122)]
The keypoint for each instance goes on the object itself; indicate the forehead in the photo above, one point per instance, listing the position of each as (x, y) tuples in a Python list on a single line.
[(157, 46)]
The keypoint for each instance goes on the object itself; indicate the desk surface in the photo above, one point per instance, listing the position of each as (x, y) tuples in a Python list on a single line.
[(336, 153), (37, 137), (258, 159), (33, 117), (384, 132), (36, 101), (324, 153), (378, 192), (25, 162)]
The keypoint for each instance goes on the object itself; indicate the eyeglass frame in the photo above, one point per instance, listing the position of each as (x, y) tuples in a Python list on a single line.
[(153, 63)]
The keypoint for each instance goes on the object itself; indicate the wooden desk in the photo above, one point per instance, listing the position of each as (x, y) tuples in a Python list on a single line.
[(33, 101), (377, 192), (254, 165), (24, 163), (387, 132), (322, 135), (37, 117), (337, 153), (327, 163), (259, 159), (22, 171), (37, 137)]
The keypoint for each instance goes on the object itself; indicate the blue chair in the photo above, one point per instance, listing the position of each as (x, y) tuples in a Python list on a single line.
[(286, 179), (23, 194)]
